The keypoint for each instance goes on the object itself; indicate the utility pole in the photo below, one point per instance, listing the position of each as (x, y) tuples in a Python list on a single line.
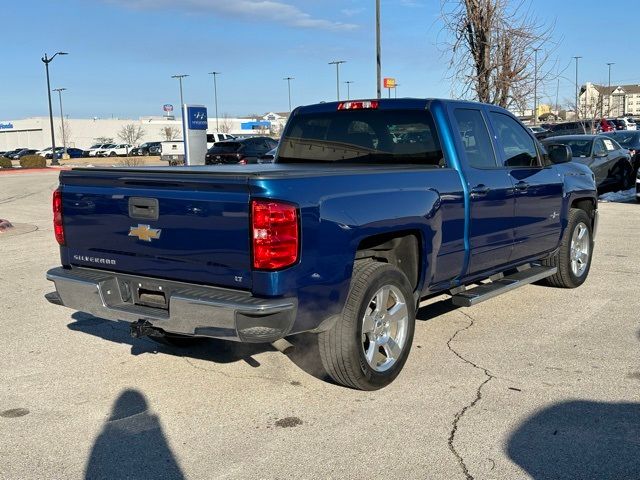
[(349, 82), (64, 139), (609, 89), (378, 53), (180, 77), (337, 64), (535, 86), (215, 96), (577, 106), (288, 79), (46, 60)]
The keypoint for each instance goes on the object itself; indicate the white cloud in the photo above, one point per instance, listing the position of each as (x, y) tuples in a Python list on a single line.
[(269, 10)]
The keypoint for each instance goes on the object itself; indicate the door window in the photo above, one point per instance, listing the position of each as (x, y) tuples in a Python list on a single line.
[(475, 138), (517, 145), (598, 148)]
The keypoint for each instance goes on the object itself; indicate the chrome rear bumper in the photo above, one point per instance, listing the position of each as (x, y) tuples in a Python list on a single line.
[(188, 309)]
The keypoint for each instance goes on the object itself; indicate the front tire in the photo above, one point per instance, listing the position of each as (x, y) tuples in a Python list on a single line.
[(369, 344), (573, 259)]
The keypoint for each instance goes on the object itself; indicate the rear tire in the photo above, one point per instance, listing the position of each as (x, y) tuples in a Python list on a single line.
[(369, 344), (626, 180), (573, 259)]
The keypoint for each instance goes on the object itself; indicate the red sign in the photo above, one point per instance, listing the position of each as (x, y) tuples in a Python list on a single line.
[(389, 83)]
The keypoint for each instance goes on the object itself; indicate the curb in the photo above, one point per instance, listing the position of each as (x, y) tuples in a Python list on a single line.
[(17, 171)]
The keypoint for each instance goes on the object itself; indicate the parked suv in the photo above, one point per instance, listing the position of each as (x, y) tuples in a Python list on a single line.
[(98, 147), (119, 150), (567, 128), (627, 123), (144, 149), (243, 151)]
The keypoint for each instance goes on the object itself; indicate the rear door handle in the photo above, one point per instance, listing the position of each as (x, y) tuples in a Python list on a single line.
[(521, 186), (480, 191)]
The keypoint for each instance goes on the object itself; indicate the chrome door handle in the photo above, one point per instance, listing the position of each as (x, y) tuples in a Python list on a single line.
[(480, 191), (521, 186)]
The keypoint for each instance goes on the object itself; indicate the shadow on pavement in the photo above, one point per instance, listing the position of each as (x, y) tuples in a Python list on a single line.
[(305, 355), (580, 439), (218, 351), (132, 444), (433, 310)]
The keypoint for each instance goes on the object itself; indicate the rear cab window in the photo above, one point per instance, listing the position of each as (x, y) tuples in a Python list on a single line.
[(475, 138), (368, 136)]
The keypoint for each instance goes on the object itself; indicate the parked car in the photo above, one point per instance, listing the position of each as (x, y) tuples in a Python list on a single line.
[(94, 149), (631, 141), (43, 152), (609, 162), (216, 137), (11, 153), (628, 123), (71, 151), (341, 238), (241, 151), (144, 149), (117, 150), (155, 149), (566, 128), (23, 153), (269, 157)]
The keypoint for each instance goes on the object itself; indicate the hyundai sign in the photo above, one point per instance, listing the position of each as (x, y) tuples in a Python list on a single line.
[(194, 124), (6, 126), (197, 118)]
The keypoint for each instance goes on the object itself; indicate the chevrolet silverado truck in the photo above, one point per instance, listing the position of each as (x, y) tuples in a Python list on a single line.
[(370, 207)]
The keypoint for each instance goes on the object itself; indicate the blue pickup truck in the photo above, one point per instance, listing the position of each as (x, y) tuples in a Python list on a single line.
[(371, 207)]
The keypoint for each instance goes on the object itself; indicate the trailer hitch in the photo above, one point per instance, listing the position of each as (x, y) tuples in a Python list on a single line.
[(142, 328)]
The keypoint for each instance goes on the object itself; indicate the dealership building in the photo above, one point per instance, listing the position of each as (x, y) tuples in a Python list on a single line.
[(35, 132)]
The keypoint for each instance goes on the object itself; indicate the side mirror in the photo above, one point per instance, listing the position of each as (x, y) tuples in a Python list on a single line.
[(559, 153)]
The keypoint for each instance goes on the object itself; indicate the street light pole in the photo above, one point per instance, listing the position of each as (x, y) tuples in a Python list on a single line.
[(64, 139), (535, 86), (215, 96), (337, 64), (378, 53), (577, 108), (180, 77), (46, 60), (349, 82), (288, 79), (609, 90)]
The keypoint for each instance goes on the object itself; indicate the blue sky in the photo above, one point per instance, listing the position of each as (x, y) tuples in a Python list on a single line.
[(123, 52)]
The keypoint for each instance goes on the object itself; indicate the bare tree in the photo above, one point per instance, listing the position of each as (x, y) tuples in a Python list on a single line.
[(170, 133), (225, 126), (492, 46), (131, 133)]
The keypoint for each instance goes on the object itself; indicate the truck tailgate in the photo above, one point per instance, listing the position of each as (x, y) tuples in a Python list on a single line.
[(185, 227)]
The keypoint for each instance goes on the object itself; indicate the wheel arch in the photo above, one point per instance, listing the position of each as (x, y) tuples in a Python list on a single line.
[(400, 248)]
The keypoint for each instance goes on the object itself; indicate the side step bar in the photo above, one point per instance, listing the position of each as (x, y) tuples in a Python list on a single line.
[(498, 287)]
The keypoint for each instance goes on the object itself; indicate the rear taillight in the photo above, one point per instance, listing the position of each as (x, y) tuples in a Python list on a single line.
[(360, 105), (58, 227), (275, 234)]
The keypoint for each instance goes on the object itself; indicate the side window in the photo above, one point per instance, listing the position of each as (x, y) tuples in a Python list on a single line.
[(475, 138), (598, 148), (609, 144), (518, 147)]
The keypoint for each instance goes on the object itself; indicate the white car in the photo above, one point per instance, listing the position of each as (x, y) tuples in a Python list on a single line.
[(629, 123), (94, 149), (217, 137), (44, 152), (118, 150)]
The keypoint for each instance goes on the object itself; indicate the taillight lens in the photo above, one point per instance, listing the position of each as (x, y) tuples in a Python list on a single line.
[(58, 227), (275, 234)]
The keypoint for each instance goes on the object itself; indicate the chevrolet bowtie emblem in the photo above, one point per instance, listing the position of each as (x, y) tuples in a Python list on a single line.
[(145, 232)]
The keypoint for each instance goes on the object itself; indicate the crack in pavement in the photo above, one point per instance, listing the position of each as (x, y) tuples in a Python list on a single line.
[(458, 416)]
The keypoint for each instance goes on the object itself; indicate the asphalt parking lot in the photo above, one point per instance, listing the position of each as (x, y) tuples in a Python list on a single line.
[(540, 383)]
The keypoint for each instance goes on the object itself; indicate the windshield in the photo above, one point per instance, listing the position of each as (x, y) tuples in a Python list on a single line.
[(579, 148), (627, 139), (362, 136)]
